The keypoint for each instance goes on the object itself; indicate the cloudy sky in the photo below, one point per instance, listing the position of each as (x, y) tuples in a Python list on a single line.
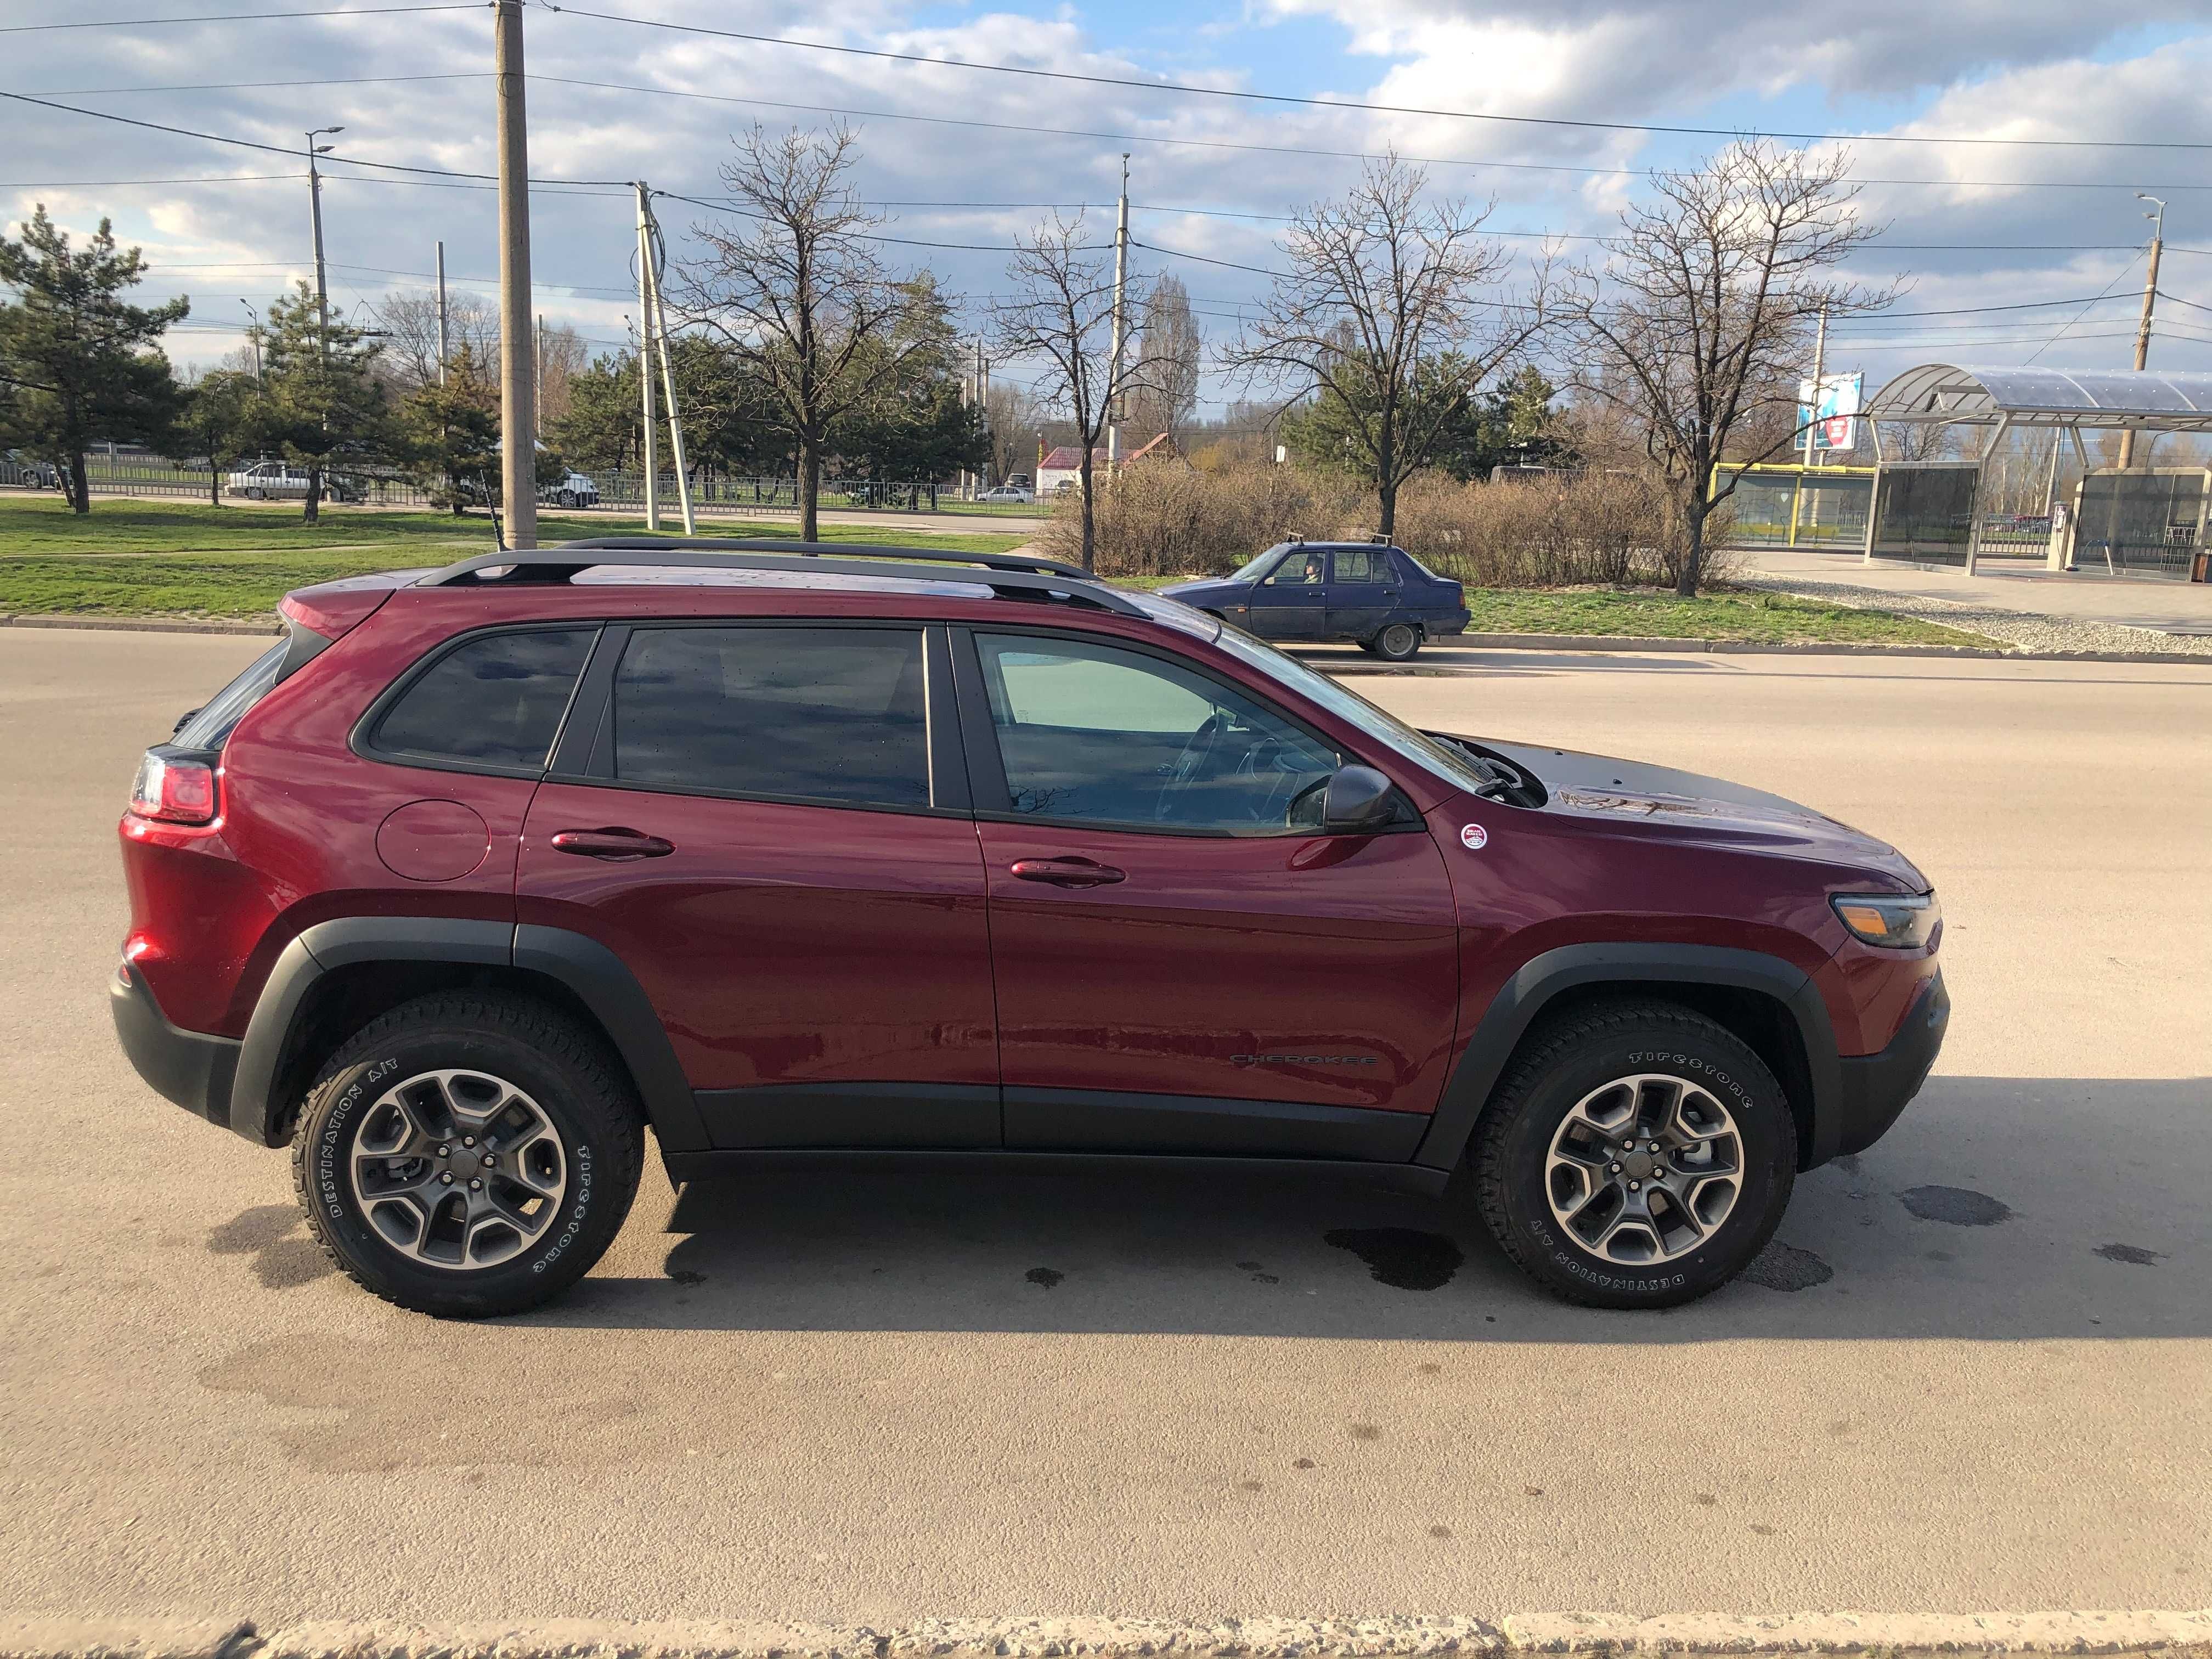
[(962, 160)]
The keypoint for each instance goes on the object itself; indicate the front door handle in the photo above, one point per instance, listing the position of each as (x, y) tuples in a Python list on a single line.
[(1068, 872), (617, 844)]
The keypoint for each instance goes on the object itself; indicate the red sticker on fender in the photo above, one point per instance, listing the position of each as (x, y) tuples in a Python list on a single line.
[(1475, 836)]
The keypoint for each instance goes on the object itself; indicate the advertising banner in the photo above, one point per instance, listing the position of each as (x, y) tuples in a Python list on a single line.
[(1840, 402)]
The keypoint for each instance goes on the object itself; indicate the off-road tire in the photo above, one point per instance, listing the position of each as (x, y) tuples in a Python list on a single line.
[(1559, 1063), (569, 1075)]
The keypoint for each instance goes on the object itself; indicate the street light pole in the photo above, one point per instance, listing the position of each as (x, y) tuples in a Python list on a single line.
[(1120, 288), (315, 216), (2142, 328), (442, 314), (254, 335)]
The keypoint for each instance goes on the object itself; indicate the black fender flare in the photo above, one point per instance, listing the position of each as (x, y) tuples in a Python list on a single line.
[(586, 967), (1541, 980)]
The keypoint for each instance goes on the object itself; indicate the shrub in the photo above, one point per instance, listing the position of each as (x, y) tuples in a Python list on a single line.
[(1165, 518)]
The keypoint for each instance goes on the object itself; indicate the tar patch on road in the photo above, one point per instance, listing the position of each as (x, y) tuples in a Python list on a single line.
[(1960, 1205), (274, 1235), (1401, 1257), (1044, 1277), (2133, 1255), (1782, 1267)]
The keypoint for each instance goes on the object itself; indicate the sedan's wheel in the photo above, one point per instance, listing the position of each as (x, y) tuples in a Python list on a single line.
[(567, 498), (257, 494), (1398, 642), (468, 1154), (1635, 1155)]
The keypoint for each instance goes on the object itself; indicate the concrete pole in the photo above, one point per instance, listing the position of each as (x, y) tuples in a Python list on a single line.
[(315, 219), (517, 385), (1813, 431), (2142, 328), (537, 375), (645, 365), (1121, 304), (442, 347), (667, 372)]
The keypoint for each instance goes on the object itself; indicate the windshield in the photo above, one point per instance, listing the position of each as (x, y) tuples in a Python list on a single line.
[(1251, 571), (1454, 764)]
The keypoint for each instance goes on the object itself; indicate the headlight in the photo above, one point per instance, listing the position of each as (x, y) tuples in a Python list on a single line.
[(1901, 921)]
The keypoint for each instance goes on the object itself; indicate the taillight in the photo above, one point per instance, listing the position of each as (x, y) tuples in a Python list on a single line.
[(174, 788)]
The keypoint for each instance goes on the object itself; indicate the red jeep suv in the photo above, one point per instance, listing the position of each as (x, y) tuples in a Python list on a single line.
[(781, 851)]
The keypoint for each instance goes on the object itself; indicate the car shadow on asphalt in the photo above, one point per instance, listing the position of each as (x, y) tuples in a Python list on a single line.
[(1999, 1209)]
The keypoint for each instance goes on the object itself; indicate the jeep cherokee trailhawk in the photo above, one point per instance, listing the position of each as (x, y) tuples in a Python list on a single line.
[(778, 851)]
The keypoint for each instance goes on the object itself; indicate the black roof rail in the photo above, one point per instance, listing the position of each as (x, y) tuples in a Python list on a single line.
[(1008, 573)]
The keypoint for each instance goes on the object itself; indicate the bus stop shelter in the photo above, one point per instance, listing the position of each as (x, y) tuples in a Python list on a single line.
[(2137, 521)]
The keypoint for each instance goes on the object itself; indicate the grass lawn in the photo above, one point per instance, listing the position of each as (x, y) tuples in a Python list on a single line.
[(177, 559), (1718, 614)]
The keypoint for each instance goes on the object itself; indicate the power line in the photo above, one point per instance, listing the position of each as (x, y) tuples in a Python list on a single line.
[(1187, 90), (2116, 278), (262, 86), (237, 17), (1305, 149)]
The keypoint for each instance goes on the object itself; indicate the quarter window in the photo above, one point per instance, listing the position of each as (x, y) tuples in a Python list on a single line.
[(1090, 733), (496, 701), (836, 715)]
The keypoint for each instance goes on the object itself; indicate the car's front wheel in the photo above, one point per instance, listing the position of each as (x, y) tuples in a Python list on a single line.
[(1396, 643), (1636, 1154), (468, 1154)]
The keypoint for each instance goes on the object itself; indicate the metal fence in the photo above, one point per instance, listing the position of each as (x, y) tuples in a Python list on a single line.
[(2143, 524), (627, 488)]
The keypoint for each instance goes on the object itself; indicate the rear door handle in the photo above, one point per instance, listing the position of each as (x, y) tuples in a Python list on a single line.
[(617, 844), (1068, 872)]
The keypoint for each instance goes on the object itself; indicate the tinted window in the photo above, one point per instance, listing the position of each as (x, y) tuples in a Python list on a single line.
[(496, 701), (1099, 735), (211, 727), (830, 714), (1363, 564)]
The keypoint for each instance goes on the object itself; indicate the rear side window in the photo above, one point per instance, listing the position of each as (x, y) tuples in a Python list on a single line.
[(495, 701), (1363, 565), (210, 726), (824, 714)]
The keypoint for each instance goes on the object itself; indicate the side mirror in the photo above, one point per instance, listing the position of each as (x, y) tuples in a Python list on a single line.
[(1359, 801)]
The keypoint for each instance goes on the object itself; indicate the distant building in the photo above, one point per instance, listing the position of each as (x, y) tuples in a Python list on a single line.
[(1061, 467)]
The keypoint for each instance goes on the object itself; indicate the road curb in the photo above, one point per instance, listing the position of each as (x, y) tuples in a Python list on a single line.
[(1390, 1636), (142, 625)]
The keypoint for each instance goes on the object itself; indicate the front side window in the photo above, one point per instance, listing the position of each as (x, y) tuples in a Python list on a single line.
[(496, 701), (1307, 568), (1095, 734), (836, 716)]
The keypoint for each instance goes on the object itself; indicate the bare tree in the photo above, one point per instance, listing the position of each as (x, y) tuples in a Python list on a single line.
[(1014, 417), (1061, 315), (1701, 314), (409, 320), (798, 297), (561, 355), (1163, 391), (1388, 315)]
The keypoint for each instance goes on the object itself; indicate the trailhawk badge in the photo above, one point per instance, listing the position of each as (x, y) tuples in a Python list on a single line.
[(1474, 837)]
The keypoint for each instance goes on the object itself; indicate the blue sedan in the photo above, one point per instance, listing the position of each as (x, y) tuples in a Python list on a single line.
[(1379, 595)]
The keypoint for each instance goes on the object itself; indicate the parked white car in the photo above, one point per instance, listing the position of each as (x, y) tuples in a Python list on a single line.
[(574, 491), (1006, 492)]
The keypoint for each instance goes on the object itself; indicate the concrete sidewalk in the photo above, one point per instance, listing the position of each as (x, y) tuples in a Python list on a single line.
[(2169, 607)]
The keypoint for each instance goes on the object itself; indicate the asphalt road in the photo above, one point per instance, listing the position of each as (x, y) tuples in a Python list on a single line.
[(857, 1399)]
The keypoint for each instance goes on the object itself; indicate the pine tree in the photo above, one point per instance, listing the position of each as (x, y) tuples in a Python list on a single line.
[(324, 406), (224, 418), (83, 366), (448, 434)]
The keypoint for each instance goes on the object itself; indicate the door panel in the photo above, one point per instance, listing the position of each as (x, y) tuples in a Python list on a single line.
[(1291, 602), (793, 952), (1363, 591), (1316, 970)]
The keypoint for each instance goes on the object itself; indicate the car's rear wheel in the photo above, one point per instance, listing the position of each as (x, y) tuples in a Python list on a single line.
[(1396, 643), (567, 498), (256, 493), (468, 1154), (1636, 1154)]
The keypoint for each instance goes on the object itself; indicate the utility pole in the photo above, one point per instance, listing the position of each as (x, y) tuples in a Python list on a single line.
[(658, 311), (1120, 294), (645, 361), (538, 374), (442, 314), (518, 386), (2142, 328), (1813, 429)]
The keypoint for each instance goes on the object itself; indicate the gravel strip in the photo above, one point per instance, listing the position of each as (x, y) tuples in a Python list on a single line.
[(2028, 630)]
